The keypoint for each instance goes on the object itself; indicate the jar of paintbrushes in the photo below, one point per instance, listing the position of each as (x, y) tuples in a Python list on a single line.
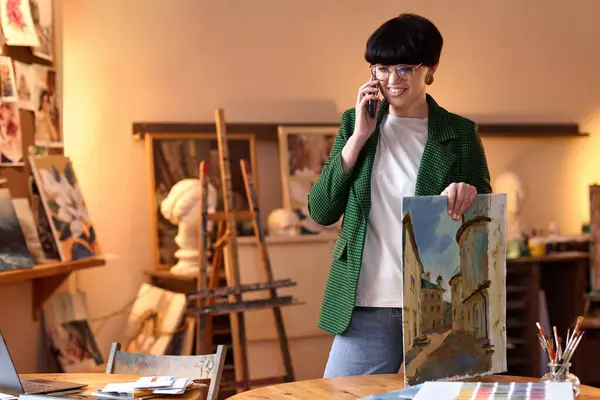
[(560, 353)]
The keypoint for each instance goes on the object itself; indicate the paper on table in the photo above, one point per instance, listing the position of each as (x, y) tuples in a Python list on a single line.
[(450, 390), (178, 387), (6, 396), (153, 382), (125, 387)]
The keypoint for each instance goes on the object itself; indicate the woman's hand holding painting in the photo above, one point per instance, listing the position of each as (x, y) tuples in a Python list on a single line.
[(460, 197)]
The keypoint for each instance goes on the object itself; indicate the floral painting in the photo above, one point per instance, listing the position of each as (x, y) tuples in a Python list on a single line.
[(65, 207), (303, 150), (14, 253), (8, 88), (47, 114), (11, 140), (17, 23), (25, 76), (41, 13), (454, 297)]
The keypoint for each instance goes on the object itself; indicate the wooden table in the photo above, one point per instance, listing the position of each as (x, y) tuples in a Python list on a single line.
[(353, 387), (97, 381)]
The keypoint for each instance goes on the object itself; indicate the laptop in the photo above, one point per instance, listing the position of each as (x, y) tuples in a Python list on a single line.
[(10, 383)]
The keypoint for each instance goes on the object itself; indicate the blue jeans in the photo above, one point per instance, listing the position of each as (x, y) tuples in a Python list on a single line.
[(372, 344)]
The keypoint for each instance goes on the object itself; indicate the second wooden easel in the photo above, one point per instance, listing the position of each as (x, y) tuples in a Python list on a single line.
[(225, 255)]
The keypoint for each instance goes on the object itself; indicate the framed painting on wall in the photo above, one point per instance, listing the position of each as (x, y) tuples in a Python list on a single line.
[(173, 157), (303, 151)]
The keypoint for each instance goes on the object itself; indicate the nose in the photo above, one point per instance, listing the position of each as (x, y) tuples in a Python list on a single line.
[(393, 78)]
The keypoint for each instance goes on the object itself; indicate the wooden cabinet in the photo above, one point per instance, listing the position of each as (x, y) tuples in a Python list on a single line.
[(563, 277)]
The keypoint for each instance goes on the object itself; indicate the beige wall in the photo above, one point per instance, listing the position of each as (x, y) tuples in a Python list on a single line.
[(140, 60)]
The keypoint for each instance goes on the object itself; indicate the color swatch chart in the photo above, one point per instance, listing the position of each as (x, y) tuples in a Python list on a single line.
[(495, 391)]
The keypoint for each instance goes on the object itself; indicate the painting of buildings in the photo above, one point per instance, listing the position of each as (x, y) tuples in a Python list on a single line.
[(454, 294)]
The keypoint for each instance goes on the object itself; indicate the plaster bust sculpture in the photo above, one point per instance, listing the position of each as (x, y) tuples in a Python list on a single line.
[(283, 222), (510, 184), (181, 207)]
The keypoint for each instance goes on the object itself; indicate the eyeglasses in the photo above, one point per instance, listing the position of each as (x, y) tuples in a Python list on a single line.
[(404, 72)]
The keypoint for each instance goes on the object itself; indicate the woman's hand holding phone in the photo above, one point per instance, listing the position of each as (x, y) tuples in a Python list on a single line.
[(364, 124)]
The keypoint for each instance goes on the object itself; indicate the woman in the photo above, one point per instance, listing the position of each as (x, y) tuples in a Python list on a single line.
[(412, 147)]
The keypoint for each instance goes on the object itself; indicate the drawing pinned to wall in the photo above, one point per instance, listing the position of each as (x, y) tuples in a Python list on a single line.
[(303, 151), (47, 113), (25, 79), (14, 253), (454, 314), (65, 207), (8, 87), (17, 24), (11, 140), (41, 14)]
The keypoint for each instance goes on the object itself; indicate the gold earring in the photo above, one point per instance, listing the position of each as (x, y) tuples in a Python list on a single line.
[(429, 78)]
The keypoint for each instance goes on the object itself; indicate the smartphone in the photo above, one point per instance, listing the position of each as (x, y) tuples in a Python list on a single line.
[(372, 105)]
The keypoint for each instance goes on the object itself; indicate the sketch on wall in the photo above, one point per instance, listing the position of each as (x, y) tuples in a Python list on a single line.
[(303, 151), (454, 313), (25, 79), (175, 157), (46, 103), (65, 207), (14, 253), (17, 24), (11, 139), (41, 13), (8, 87)]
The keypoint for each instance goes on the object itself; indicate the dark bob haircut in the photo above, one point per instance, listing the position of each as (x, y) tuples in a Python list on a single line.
[(405, 39)]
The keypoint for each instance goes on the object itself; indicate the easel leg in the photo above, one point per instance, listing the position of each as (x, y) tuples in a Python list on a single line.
[(283, 345)]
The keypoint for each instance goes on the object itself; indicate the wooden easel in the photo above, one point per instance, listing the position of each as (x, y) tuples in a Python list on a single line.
[(206, 304)]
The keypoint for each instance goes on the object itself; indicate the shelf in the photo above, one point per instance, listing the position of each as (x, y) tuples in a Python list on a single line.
[(165, 273), (46, 278), (565, 256), (268, 131), (531, 131)]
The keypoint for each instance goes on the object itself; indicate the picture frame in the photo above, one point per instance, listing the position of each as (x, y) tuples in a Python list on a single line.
[(176, 156), (303, 151), (594, 197)]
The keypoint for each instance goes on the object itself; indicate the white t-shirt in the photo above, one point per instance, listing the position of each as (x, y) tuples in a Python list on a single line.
[(394, 175)]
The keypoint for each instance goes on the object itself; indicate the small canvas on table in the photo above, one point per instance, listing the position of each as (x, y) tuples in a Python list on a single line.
[(69, 220), (454, 272)]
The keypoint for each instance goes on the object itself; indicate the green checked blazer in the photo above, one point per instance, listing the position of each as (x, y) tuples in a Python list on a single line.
[(453, 153)]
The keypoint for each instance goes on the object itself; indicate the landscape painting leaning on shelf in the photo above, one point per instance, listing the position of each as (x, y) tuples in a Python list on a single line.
[(454, 315)]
